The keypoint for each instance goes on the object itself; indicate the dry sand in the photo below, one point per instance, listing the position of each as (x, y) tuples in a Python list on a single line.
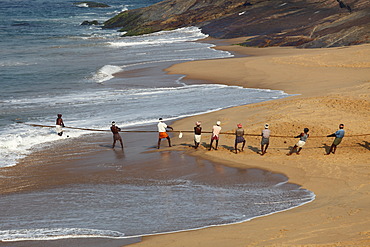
[(334, 88)]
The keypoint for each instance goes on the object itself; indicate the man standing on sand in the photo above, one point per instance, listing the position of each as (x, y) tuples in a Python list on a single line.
[(59, 125), (339, 134), (239, 137), (116, 136), (216, 129), (265, 139), (197, 134), (162, 132), (302, 140)]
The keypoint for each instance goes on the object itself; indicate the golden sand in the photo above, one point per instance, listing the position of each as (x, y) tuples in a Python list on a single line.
[(333, 86)]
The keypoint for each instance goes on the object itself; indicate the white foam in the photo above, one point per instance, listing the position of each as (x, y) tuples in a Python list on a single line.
[(18, 142), (106, 73), (82, 5), (162, 37), (15, 63), (56, 233)]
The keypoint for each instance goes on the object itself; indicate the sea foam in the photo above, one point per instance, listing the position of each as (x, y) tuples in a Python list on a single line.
[(56, 233), (106, 73)]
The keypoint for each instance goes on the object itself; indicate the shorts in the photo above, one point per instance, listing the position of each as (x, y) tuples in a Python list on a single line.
[(300, 144), (265, 141), (215, 138), (59, 128), (197, 138), (116, 137), (163, 135), (239, 139), (337, 141)]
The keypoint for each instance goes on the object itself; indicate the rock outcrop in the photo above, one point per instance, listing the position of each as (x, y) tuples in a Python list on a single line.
[(90, 4), (90, 23), (301, 23)]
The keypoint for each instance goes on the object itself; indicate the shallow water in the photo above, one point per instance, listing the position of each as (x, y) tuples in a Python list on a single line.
[(51, 64), (172, 192)]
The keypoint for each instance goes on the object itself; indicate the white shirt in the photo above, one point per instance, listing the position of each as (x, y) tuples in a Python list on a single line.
[(216, 130), (162, 127)]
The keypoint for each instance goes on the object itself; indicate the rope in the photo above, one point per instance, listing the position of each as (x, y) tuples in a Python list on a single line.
[(175, 131)]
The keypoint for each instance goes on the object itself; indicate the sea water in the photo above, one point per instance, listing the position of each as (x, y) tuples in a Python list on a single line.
[(157, 196), (51, 64)]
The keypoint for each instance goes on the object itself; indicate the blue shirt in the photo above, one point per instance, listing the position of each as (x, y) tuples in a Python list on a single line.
[(339, 133)]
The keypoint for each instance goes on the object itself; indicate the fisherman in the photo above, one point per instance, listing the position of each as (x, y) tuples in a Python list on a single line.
[(59, 125), (339, 134), (162, 132), (302, 141), (116, 136), (216, 129), (265, 141), (239, 137), (197, 134)]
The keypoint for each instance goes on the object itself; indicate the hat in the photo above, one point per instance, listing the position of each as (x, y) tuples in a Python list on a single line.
[(198, 123), (160, 119), (218, 122), (266, 126), (240, 125), (113, 123)]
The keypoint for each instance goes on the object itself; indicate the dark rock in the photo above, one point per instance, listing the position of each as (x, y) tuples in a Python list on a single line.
[(90, 23), (301, 23), (93, 4)]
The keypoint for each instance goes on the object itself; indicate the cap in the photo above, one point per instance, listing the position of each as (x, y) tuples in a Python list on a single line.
[(240, 125), (266, 126), (198, 123), (218, 122), (113, 123), (160, 119)]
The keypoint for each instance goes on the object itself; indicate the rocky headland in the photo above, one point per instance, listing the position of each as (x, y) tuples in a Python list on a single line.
[(300, 23)]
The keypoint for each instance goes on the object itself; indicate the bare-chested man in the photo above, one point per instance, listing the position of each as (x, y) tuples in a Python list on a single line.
[(116, 136), (59, 124)]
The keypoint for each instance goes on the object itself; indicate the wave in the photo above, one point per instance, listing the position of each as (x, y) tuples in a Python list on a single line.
[(56, 233), (82, 5), (15, 63), (162, 37), (106, 73), (141, 108)]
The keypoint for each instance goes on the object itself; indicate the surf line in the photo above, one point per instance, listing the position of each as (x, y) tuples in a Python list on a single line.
[(173, 131)]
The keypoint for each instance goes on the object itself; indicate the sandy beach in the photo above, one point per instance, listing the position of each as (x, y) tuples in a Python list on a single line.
[(332, 87)]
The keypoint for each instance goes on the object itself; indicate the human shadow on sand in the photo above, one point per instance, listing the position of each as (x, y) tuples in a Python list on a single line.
[(254, 149), (326, 147), (365, 145)]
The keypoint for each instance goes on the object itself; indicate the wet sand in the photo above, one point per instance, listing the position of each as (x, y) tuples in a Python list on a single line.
[(333, 86), (90, 160), (339, 215)]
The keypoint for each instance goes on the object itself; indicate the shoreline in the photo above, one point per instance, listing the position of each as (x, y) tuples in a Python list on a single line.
[(211, 236), (90, 161), (338, 214)]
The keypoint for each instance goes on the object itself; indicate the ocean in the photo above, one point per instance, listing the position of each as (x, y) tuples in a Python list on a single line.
[(51, 64)]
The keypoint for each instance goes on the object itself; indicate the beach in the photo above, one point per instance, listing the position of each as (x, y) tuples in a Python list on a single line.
[(332, 87)]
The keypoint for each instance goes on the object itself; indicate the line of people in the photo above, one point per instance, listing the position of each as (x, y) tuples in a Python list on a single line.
[(239, 137), (215, 137)]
